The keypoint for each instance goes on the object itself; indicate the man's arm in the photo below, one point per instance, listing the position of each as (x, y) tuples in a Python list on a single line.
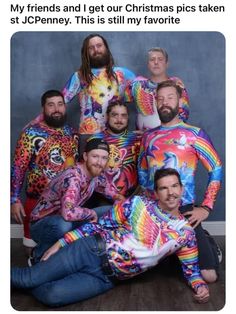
[(23, 154), (72, 87), (188, 256)]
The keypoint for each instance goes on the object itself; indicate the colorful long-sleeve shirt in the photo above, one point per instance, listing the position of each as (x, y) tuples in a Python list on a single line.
[(121, 170), (94, 98), (180, 147), (138, 234), (41, 152), (67, 192), (143, 91)]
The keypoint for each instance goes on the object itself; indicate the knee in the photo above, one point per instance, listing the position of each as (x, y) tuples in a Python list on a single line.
[(209, 275), (50, 296)]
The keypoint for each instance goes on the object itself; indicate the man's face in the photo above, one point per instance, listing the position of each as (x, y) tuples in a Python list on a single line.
[(117, 119), (98, 53), (96, 161), (169, 192), (167, 104), (157, 64), (54, 111)]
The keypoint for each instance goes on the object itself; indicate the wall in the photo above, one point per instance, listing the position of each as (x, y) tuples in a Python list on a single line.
[(45, 60)]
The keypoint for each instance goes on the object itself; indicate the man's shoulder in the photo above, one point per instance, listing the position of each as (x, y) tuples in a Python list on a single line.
[(125, 71)]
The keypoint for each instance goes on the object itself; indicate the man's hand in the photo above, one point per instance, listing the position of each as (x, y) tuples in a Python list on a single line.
[(119, 197), (52, 250), (202, 295), (94, 216), (18, 212), (196, 216)]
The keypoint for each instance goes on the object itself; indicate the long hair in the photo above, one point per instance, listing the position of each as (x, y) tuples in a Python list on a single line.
[(85, 68)]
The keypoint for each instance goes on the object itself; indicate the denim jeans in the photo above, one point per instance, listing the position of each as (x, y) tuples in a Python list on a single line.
[(71, 275), (46, 231)]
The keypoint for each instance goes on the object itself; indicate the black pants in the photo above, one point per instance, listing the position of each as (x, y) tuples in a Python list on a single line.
[(208, 258)]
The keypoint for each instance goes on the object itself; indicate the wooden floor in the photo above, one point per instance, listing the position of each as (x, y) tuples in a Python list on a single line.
[(157, 290)]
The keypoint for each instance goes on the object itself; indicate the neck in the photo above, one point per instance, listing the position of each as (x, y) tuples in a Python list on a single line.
[(173, 122), (159, 78), (85, 169)]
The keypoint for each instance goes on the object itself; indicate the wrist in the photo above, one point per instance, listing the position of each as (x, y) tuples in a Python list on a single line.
[(206, 208)]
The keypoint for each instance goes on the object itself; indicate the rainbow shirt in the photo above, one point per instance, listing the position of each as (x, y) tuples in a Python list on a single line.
[(144, 94), (67, 192), (41, 152), (138, 234), (180, 147), (121, 170), (94, 98)]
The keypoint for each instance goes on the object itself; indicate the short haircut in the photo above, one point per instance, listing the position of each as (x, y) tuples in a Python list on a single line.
[(50, 93), (161, 50), (169, 83), (112, 104), (164, 172)]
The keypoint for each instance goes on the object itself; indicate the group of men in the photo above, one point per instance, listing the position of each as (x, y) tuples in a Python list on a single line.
[(113, 162)]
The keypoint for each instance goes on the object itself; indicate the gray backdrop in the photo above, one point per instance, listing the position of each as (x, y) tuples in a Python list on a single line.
[(45, 60)]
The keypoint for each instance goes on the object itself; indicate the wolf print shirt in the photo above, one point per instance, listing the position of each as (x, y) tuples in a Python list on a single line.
[(180, 147)]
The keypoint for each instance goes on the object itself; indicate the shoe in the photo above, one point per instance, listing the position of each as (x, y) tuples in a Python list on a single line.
[(216, 245)]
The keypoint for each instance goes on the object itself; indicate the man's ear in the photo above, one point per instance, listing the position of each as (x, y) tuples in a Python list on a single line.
[(85, 157)]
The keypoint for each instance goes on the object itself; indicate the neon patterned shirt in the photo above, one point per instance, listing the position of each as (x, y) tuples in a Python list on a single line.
[(67, 192), (94, 98), (180, 147), (41, 152), (121, 170), (144, 94), (138, 235)]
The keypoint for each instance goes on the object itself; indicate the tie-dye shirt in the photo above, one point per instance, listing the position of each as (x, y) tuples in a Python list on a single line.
[(67, 192), (138, 234), (144, 94), (180, 147), (94, 98), (121, 170), (41, 152)]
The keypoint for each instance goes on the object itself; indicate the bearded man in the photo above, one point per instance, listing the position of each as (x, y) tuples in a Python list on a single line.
[(42, 151), (178, 145), (96, 83)]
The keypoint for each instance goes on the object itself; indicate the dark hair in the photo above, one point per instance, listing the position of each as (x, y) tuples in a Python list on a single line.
[(112, 104), (164, 172), (170, 83), (85, 68), (49, 94)]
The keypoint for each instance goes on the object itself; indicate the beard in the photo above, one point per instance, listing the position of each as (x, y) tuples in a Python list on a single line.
[(167, 116), (94, 170), (100, 60), (55, 121), (117, 131)]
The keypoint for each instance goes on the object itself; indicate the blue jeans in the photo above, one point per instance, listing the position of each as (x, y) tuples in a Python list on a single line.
[(46, 231), (71, 275)]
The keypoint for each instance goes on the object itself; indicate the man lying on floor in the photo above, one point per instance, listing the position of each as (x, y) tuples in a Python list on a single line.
[(129, 239)]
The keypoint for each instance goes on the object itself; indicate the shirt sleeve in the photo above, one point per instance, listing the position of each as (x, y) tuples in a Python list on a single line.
[(22, 158), (129, 77), (143, 164), (184, 100), (72, 87), (211, 161), (70, 202), (188, 256)]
